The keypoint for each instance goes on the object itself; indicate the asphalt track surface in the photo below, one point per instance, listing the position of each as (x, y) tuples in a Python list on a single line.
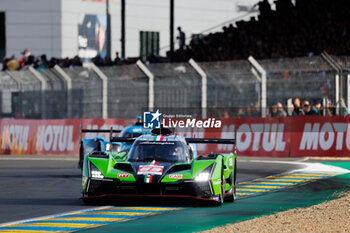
[(32, 187)]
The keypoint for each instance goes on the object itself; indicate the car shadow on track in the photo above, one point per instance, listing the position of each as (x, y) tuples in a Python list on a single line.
[(150, 201)]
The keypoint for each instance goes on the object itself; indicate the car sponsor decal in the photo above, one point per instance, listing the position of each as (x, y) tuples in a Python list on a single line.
[(175, 176), (148, 179), (123, 175), (150, 170), (158, 138), (230, 162)]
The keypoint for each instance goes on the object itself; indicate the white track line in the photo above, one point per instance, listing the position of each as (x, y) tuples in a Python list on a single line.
[(309, 167)]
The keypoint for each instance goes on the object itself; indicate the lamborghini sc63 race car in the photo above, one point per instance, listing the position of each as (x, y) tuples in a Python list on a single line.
[(161, 165)]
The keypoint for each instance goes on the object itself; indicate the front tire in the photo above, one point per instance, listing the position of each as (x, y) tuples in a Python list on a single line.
[(232, 197), (221, 195)]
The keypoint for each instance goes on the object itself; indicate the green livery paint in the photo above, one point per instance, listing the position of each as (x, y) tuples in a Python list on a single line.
[(168, 163)]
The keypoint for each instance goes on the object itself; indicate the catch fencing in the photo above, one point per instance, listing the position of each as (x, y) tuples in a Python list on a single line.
[(207, 89)]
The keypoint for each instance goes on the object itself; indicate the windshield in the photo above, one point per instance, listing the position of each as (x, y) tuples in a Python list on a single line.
[(147, 151)]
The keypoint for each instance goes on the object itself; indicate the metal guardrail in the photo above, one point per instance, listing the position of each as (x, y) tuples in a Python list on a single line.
[(233, 88)]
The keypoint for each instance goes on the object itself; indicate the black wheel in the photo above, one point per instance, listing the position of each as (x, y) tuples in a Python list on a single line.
[(232, 197), (81, 156), (89, 201), (222, 188)]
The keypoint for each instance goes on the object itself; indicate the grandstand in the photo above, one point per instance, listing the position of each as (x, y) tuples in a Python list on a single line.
[(305, 29)]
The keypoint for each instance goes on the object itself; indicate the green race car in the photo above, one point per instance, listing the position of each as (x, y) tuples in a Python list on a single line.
[(163, 165)]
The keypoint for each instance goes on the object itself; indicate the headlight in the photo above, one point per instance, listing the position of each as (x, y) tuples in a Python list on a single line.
[(205, 174), (201, 177), (95, 173)]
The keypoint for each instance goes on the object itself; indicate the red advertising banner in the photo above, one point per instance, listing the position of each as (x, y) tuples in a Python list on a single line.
[(286, 136), (265, 137), (320, 136), (49, 136)]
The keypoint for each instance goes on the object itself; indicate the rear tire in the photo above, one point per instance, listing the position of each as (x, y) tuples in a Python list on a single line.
[(81, 156)]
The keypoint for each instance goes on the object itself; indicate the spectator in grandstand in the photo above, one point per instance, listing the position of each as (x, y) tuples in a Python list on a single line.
[(181, 38), (265, 9), (330, 108), (12, 64), (65, 62), (273, 112), (308, 110), (117, 60), (280, 110), (240, 113), (30, 61), (318, 107), (76, 61), (97, 60), (290, 31), (277, 110), (297, 109), (256, 110), (248, 111), (41, 62), (226, 114), (107, 61), (26, 54)]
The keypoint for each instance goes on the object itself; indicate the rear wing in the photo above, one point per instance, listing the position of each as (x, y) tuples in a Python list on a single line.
[(110, 131), (122, 139), (188, 140), (100, 131)]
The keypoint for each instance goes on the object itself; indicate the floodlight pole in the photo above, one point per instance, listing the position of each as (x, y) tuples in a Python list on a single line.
[(108, 29), (122, 40), (171, 30)]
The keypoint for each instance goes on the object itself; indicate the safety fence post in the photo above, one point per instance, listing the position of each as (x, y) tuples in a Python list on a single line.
[(150, 76), (256, 69), (338, 81), (43, 89), (104, 79), (19, 89), (68, 80), (203, 75)]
